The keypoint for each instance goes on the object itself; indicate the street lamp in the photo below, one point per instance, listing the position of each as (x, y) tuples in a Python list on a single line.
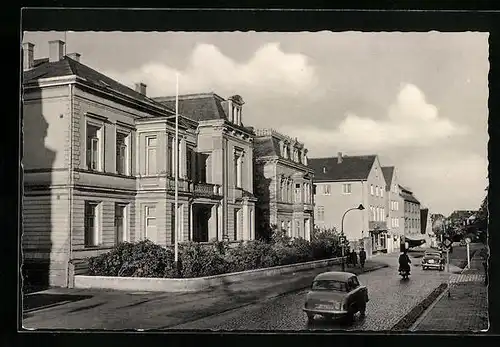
[(361, 208)]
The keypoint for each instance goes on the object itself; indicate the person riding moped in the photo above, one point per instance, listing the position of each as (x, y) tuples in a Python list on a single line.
[(404, 262)]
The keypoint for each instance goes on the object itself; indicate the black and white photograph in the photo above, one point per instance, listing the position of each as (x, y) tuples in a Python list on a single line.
[(255, 181)]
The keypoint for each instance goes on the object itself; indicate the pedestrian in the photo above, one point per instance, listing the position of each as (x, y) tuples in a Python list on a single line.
[(362, 257), (354, 258)]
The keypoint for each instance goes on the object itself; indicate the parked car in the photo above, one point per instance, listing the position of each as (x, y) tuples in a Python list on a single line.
[(433, 260), (336, 295)]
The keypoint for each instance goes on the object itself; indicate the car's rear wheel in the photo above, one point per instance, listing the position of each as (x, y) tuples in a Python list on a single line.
[(362, 310)]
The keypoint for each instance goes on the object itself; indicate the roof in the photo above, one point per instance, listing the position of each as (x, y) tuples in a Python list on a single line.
[(351, 168), (266, 146), (334, 276), (67, 66), (200, 107), (409, 197), (388, 172)]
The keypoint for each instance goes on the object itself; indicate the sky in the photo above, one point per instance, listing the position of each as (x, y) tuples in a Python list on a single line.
[(418, 100)]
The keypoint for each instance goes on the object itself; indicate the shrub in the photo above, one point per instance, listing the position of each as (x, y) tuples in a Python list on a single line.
[(198, 260), (146, 259), (142, 259)]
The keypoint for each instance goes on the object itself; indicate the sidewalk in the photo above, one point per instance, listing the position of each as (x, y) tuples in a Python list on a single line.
[(463, 307)]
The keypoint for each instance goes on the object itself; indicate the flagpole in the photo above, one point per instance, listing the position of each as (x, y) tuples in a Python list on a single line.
[(176, 160)]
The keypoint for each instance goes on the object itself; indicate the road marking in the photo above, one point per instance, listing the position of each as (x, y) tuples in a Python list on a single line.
[(427, 311)]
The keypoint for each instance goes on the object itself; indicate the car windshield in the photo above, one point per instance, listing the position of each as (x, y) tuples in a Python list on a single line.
[(432, 254), (338, 286)]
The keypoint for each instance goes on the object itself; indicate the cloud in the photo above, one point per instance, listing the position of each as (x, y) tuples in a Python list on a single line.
[(270, 70), (440, 177), (410, 122)]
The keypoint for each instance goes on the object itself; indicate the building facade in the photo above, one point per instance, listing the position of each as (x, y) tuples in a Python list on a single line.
[(225, 158), (412, 227), (98, 162), (344, 182), (284, 185), (394, 208)]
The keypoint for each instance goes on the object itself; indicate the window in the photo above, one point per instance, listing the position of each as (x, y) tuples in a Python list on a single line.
[(376, 191), (346, 188), (150, 222), (397, 205), (91, 224), (382, 192), (298, 193), (238, 162), (151, 155), (371, 189), (236, 223), (326, 189), (383, 214), (321, 213), (189, 163), (122, 154), (120, 223), (282, 225), (297, 229), (94, 152), (289, 228), (374, 217), (397, 222), (330, 285)]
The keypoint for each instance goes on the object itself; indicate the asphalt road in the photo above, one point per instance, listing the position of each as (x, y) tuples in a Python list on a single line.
[(390, 299)]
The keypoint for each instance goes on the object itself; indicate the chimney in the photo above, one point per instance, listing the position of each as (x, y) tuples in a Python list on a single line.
[(339, 157), (74, 56), (140, 88), (28, 55), (56, 50)]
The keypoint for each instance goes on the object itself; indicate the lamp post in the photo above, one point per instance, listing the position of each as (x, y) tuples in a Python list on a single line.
[(360, 207)]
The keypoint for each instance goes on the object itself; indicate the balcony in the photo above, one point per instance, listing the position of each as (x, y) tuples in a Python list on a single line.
[(206, 189), (377, 226)]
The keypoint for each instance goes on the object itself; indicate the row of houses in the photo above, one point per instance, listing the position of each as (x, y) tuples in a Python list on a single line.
[(99, 168), (392, 215), (98, 160)]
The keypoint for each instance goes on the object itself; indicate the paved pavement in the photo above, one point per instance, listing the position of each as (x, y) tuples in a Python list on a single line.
[(101, 309), (466, 307), (390, 300)]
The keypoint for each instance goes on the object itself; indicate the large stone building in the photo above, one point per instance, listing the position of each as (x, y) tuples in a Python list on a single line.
[(344, 182), (225, 158), (283, 184), (98, 167), (394, 209)]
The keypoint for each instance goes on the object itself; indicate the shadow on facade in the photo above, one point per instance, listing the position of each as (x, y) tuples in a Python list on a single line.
[(262, 192), (38, 161)]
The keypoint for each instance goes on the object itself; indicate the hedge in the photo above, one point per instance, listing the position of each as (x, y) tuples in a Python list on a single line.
[(146, 259)]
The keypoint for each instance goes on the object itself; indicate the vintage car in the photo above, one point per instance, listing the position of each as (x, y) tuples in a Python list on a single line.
[(433, 260), (336, 295)]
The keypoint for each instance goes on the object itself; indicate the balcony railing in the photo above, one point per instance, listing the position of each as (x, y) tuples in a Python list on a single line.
[(206, 189)]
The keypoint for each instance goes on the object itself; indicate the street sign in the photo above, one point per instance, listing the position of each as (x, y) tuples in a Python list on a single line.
[(447, 243), (467, 239), (342, 239)]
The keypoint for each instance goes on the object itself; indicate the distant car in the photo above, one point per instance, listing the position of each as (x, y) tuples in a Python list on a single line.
[(433, 260), (336, 295)]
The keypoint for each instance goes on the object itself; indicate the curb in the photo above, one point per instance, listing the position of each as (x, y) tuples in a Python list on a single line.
[(411, 317), (253, 302)]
